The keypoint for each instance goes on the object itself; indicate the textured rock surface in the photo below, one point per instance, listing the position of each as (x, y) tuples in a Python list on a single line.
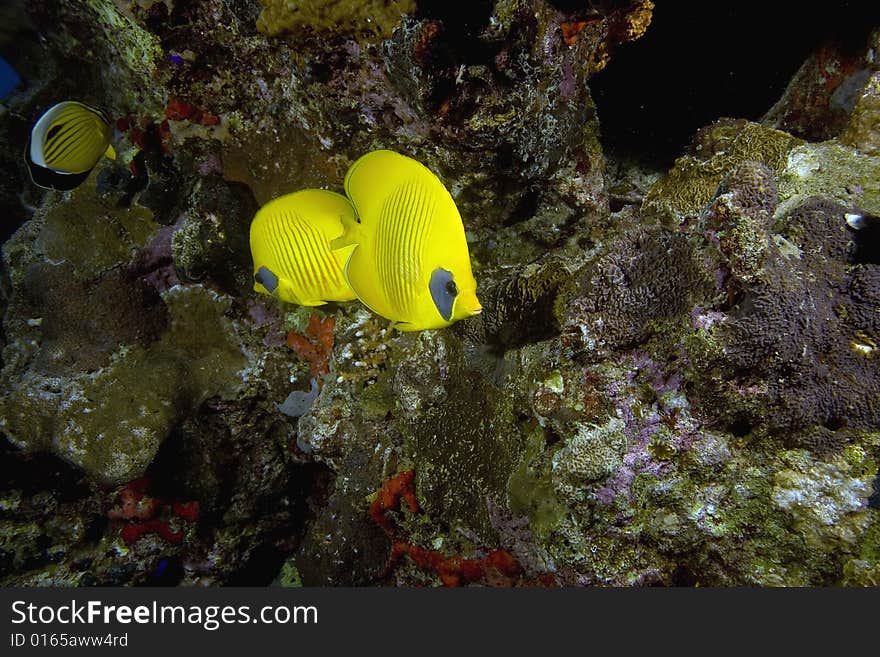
[(674, 380)]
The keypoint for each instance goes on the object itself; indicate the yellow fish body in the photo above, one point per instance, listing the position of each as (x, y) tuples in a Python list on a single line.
[(290, 243), (410, 261), (66, 143)]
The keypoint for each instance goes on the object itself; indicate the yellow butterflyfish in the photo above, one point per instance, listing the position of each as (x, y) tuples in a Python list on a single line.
[(290, 243), (410, 260), (66, 143)]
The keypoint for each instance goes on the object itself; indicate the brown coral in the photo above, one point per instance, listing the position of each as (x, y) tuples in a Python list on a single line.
[(519, 309), (805, 326), (616, 301), (280, 16)]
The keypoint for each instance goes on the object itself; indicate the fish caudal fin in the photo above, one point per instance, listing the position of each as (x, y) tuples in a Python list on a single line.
[(351, 234)]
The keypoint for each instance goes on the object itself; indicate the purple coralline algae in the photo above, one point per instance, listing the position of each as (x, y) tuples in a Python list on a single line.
[(673, 381)]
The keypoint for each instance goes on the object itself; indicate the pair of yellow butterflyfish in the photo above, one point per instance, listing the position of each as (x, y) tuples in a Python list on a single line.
[(395, 241)]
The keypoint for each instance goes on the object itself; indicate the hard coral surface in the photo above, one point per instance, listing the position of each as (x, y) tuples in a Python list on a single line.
[(674, 380), (803, 330)]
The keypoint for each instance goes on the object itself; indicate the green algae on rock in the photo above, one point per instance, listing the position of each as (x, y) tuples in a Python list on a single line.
[(834, 170), (100, 28), (111, 422), (739, 217), (337, 16), (91, 233), (530, 489), (862, 132)]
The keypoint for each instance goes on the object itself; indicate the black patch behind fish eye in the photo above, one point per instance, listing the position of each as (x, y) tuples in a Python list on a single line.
[(266, 278), (441, 282), (54, 130)]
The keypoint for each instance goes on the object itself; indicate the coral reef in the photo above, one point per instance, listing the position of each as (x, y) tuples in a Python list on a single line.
[(498, 566), (279, 16), (861, 132), (819, 99), (120, 397), (673, 382), (647, 276), (136, 504), (814, 371), (739, 218), (686, 189)]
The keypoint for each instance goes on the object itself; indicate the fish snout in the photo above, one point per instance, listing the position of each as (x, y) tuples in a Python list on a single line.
[(470, 303)]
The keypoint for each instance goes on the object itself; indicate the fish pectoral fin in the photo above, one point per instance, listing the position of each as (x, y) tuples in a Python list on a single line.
[(360, 274), (110, 153), (349, 236), (312, 302), (404, 327)]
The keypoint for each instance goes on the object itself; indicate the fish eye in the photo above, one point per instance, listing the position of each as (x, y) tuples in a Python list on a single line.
[(452, 288)]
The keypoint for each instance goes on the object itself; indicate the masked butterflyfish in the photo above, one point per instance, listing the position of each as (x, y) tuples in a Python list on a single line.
[(410, 263), (66, 143), (290, 245)]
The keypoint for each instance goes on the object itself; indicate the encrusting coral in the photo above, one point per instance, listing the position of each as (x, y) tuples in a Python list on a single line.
[(673, 380), (316, 345)]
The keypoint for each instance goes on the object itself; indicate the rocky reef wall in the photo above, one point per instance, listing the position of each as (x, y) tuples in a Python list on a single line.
[(674, 380)]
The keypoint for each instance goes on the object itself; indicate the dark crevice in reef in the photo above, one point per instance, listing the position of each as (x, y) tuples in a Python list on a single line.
[(874, 499), (222, 504), (261, 567), (701, 61), (468, 18), (865, 247), (29, 472), (304, 491)]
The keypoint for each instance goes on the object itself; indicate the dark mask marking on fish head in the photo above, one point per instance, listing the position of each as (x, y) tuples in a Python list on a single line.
[(267, 279), (443, 292)]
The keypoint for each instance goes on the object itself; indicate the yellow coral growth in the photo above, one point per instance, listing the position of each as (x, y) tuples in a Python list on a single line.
[(626, 26), (347, 17), (638, 20)]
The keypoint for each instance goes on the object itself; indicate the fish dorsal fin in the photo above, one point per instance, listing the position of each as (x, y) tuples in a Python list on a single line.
[(372, 178)]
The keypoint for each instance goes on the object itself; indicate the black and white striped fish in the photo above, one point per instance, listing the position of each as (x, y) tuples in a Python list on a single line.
[(66, 143)]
